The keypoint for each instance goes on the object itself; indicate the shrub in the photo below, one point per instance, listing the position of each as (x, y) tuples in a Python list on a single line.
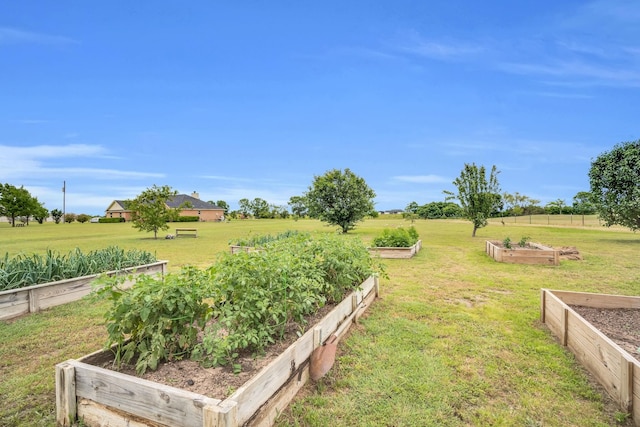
[(396, 238), (187, 219), (82, 218), (111, 220)]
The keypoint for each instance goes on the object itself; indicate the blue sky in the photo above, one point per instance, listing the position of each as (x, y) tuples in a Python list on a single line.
[(251, 99)]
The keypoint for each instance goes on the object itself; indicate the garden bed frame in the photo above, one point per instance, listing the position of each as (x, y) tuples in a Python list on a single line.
[(538, 254), (31, 299), (614, 368), (396, 253), (102, 397)]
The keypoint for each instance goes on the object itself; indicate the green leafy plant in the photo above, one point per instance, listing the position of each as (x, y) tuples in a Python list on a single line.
[(34, 269), (396, 238), (157, 319), (252, 298), (523, 241), (507, 243)]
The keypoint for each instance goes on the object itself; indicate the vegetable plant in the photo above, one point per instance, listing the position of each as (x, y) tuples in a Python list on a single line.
[(396, 238), (243, 302), (507, 243), (26, 270)]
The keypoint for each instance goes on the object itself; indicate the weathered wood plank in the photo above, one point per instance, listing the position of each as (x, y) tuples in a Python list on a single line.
[(13, 303), (66, 407), (146, 399), (266, 415), (635, 410), (598, 300), (596, 352), (94, 414), (553, 313), (223, 415)]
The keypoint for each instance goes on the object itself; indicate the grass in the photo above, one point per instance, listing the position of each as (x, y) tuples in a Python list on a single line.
[(454, 340)]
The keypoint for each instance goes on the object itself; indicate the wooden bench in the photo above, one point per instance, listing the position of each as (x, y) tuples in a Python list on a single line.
[(187, 231)]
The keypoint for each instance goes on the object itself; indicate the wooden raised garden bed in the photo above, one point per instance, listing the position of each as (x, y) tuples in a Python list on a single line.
[(616, 370), (31, 299), (390, 252), (102, 397), (532, 253)]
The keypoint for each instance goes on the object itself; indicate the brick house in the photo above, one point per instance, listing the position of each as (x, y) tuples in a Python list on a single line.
[(193, 207)]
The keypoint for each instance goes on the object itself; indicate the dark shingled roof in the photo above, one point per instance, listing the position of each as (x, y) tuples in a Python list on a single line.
[(194, 203)]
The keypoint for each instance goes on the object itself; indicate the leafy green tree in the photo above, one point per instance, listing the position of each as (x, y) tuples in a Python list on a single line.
[(298, 206), (614, 177), (582, 204), (244, 207), (340, 198), (478, 195), (82, 218), (70, 217), (40, 213), (556, 207), (16, 202), (260, 208), (150, 212), (56, 214), (224, 205), (515, 203)]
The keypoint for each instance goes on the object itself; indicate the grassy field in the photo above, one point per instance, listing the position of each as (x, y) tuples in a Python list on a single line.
[(454, 340)]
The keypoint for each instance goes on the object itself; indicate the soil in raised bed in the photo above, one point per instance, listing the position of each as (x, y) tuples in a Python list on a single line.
[(621, 325), (220, 382)]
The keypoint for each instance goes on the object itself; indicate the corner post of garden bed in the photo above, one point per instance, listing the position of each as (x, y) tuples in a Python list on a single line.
[(224, 414), (66, 404), (626, 383)]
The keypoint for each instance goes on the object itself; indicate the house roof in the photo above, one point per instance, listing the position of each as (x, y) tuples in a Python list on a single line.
[(194, 203), (174, 202)]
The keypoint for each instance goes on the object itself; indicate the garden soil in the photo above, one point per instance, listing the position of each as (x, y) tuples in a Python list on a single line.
[(621, 325)]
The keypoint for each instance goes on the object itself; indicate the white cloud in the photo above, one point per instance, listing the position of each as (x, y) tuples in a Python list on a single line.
[(15, 36), (32, 162)]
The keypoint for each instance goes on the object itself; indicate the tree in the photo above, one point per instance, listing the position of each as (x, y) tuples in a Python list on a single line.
[(614, 177), (41, 213), (555, 207), (16, 202), (340, 198), (69, 217), (245, 207), (82, 218), (298, 206), (478, 196), (56, 214), (582, 204), (259, 208), (224, 205), (149, 210)]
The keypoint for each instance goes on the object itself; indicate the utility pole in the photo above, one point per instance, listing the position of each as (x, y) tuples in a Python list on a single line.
[(64, 200)]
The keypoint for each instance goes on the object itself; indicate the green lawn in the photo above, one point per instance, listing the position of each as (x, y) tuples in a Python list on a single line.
[(455, 338)]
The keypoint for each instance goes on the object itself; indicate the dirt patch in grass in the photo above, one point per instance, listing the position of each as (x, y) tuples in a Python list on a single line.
[(221, 382), (619, 324)]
